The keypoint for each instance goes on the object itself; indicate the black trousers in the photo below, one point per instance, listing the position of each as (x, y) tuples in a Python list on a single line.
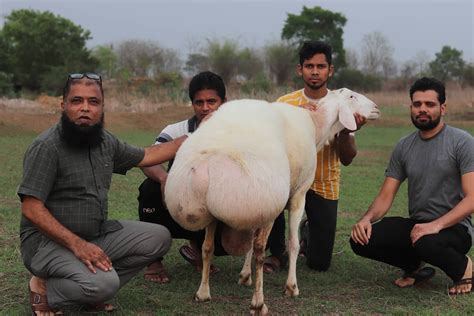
[(390, 243), (322, 220), (151, 209)]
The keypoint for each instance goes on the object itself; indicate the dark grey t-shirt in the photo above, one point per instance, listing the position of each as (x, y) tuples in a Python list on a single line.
[(434, 168), (73, 183)]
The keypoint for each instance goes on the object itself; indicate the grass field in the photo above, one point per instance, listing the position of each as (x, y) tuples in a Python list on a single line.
[(352, 285)]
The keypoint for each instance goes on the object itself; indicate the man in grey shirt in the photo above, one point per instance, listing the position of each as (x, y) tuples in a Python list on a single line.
[(76, 255), (438, 161)]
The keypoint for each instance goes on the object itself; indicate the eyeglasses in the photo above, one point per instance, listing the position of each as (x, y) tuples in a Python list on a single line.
[(88, 75)]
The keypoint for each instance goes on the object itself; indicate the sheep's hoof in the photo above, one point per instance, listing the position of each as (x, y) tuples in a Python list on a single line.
[(245, 280), (292, 290), (198, 298), (261, 310)]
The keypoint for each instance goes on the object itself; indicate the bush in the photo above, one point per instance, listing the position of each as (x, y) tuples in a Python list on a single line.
[(255, 87), (356, 80), (6, 85)]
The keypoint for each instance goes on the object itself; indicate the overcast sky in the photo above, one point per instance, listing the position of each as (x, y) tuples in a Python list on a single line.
[(411, 26)]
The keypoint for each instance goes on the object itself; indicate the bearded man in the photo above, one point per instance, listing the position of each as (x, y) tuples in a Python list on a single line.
[(438, 161), (76, 255)]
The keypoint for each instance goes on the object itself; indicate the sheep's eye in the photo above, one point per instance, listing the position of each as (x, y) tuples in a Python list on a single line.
[(352, 97)]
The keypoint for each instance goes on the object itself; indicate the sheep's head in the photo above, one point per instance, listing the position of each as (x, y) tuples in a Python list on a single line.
[(337, 109), (357, 102)]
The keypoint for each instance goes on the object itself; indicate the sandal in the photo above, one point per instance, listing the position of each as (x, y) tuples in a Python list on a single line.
[(39, 303), (156, 273), (462, 282), (195, 259), (273, 264)]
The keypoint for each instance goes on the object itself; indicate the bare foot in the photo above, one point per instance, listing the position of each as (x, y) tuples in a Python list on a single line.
[(38, 285), (463, 287), (156, 272), (404, 282), (417, 277)]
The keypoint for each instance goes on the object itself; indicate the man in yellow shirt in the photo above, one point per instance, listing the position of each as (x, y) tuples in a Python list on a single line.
[(315, 68)]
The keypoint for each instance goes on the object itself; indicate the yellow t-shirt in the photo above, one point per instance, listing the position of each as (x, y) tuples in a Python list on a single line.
[(328, 169)]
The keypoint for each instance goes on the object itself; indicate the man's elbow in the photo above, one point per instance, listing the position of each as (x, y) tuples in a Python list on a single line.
[(347, 159)]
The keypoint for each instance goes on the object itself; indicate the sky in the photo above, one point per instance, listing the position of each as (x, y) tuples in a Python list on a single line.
[(412, 27)]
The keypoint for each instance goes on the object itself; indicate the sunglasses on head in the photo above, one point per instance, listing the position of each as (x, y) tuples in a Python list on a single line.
[(88, 75)]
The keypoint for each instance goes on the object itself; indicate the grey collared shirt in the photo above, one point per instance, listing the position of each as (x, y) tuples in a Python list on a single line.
[(73, 183)]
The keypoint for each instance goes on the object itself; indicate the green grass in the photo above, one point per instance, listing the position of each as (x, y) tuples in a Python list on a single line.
[(353, 285)]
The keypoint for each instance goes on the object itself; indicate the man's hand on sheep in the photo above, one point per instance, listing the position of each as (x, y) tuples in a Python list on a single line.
[(309, 106), (360, 121)]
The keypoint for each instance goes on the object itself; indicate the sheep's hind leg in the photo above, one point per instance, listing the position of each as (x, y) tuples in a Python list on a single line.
[(258, 306), (296, 209), (203, 294), (245, 276)]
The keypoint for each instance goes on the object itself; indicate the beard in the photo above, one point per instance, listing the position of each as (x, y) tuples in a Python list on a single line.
[(427, 125), (315, 86), (82, 136)]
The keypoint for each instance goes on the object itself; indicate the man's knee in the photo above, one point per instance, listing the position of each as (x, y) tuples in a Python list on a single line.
[(358, 249), (318, 264), (99, 287), (158, 241), (426, 246)]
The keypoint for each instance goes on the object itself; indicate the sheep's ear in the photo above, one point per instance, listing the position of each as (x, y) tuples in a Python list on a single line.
[(346, 117)]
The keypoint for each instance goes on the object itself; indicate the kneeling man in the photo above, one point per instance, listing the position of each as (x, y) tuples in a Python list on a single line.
[(438, 161)]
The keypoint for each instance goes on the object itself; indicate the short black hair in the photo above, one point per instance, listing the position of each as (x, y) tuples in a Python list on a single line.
[(70, 82), (206, 80), (425, 83), (311, 48)]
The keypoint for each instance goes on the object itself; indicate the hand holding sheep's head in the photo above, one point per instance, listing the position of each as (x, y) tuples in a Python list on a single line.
[(359, 104)]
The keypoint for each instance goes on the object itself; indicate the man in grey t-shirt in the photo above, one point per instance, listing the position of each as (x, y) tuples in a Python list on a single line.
[(438, 161)]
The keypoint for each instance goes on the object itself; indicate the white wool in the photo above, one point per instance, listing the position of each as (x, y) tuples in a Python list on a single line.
[(246, 164)]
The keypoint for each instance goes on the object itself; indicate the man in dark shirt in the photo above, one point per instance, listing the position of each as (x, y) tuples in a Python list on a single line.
[(75, 254)]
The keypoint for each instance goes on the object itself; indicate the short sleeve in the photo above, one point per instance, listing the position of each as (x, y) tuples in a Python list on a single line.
[(465, 154), (39, 171), (126, 157), (396, 167)]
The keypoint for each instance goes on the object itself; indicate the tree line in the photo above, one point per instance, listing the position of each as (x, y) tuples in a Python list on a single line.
[(38, 48)]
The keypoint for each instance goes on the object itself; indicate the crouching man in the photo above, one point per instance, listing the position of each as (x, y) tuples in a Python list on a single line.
[(76, 255), (438, 161)]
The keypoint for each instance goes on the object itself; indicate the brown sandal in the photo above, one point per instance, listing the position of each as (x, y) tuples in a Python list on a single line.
[(39, 303)]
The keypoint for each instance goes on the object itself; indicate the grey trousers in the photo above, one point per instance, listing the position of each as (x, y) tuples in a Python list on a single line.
[(69, 282)]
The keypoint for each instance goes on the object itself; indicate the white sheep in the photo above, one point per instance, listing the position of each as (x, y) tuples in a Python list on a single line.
[(247, 163)]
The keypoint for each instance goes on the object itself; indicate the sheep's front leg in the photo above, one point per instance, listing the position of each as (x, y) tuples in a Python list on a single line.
[(258, 305), (245, 276), (296, 210), (203, 294)]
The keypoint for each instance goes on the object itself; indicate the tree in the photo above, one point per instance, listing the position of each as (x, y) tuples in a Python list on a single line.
[(317, 24), (352, 59), (107, 58), (448, 64), (222, 57), (468, 75), (281, 61), (377, 55), (40, 44), (250, 64), (139, 58), (196, 63)]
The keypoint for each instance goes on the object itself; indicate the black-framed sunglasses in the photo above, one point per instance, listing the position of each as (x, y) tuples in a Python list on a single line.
[(88, 75)]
